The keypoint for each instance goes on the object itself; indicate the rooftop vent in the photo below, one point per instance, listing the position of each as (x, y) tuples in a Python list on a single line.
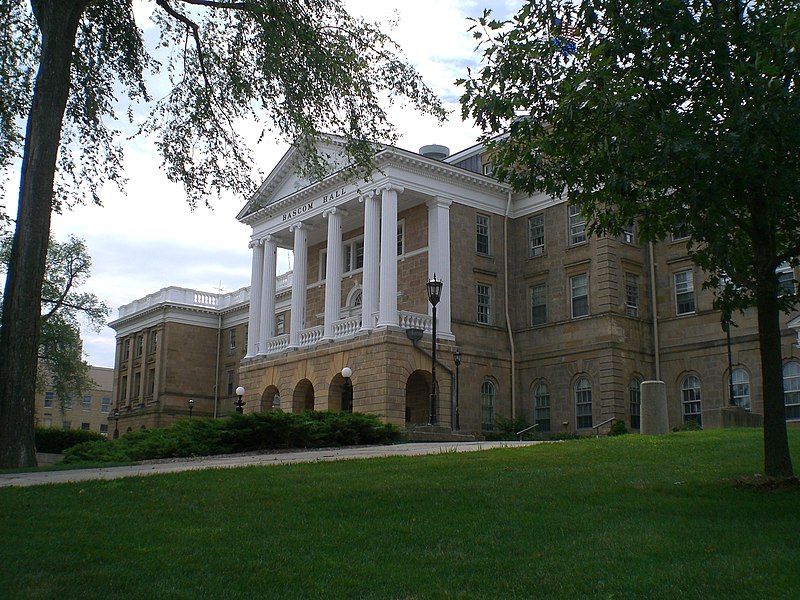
[(435, 151)]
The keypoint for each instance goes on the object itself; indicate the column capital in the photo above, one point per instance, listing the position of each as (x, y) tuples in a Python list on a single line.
[(333, 210), (254, 243), (364, 196), (392, 187), (269, 238), (300, 225), (439, 201)]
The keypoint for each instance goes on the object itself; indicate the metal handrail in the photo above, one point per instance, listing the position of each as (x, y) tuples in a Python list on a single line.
[(599, 425), (519, 433)]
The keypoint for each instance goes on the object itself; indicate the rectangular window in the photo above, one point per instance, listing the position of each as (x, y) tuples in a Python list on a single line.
[(786, 282), (280, 324), (137, 384), (230, 383), (48, 399), (66, 425), (482, 231), (124, 388), (536, 235), (126, 349), (85, 426), (353, 255), (484, 302), (401, 236), (139, 345), (629, 233), (487, 169), (577, 225), (680, 232), (232, 340), (323, 265), (105, 404), (539, 304), (68, 401), (684, 293), (153, 341), (631, 295), (579, 286), (87, 403), (104, 428), (151, 382)]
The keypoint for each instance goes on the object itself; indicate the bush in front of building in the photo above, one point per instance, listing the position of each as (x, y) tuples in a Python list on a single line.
[(55, 440), (238, 433)]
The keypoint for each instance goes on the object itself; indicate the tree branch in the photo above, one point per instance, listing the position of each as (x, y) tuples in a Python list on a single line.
[(190, 25)]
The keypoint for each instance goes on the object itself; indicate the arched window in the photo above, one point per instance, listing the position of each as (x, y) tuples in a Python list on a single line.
[(541, 407), (791, 389), (583, 403), (635, 398), (690, 397), (741, 388), (488, 394)]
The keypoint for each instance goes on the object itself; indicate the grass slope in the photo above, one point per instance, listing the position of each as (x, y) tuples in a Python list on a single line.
[(625, 517)]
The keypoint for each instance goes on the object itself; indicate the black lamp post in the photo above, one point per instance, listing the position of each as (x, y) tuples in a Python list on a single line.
[(457, 361), (434, 295), (239, 404), (347, 390), (116, 423), (191, 406)]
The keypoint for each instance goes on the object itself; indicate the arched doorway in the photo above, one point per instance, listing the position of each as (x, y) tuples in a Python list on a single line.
[(270, 399), (303, 396), (418, 398)]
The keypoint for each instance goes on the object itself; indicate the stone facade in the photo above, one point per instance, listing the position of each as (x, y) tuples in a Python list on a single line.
[(554, 326), (89, 410)]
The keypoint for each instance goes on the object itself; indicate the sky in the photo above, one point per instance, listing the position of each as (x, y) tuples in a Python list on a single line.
[(148, 238)]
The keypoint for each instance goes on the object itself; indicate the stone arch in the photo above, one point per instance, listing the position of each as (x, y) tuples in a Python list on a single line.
[(418, 397), (303, 396), (270, 398)]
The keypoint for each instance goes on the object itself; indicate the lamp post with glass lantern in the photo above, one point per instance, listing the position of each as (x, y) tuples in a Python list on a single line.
[(434, 295), (191, 406), (239, 404), (116, 423), (457, 361)]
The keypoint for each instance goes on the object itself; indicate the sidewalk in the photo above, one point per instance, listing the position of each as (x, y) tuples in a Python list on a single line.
[(227, 461)]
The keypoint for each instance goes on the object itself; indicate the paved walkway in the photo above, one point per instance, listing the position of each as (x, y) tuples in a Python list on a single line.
[(245, 460)]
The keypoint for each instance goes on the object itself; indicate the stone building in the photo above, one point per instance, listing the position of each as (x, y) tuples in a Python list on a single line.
[(88, 411), (553, 326)]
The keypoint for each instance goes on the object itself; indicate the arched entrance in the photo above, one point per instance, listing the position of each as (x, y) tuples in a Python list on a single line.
[(270, 399), (303, 396), (418, 398)]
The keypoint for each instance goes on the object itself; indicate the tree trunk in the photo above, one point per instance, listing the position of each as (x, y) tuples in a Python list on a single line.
[(777, 460), (19, 336)]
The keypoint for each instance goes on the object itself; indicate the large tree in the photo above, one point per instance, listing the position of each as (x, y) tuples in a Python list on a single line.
[(301, 67), (678, 113)]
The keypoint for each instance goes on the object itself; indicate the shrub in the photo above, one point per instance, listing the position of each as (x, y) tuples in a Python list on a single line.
[(239, 433), (618, 428), (55, 440)]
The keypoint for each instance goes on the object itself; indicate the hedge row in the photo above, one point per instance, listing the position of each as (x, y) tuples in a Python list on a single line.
[(55, 440), (238, 433)]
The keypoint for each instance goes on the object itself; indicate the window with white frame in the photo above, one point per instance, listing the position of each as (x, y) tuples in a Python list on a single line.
[(690, 399), (354, 255), (631, 295), (68, 401), (401, 238), (105, 404), (577, 225), (791, 389), (488, 396), (786, 281), (680, 232), (86, 404), (684, 292), (482, 234), (538, 304), (635, 399), (536, 235), (48, 399), (280, 324), (484, 303), (541, 407), (231, 340), (629, 233), (579, 295), (740, 382), (583, 403)]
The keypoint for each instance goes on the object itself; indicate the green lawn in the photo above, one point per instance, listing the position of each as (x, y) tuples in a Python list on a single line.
[(624, 517)]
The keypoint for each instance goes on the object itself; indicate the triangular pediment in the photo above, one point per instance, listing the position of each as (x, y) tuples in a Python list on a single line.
[(285, 178)]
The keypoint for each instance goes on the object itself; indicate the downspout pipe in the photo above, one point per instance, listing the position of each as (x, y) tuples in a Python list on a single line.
[(508, 316), (216, 371), (654, 303)]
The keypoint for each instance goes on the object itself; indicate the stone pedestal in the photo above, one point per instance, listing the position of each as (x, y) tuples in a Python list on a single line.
[(654, 419)]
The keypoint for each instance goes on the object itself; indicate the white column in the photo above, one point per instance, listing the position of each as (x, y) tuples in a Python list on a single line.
[(333, 271), (372, 255), (254, 312), (439, 257), (267, 328), (387, 310), (299, 283)]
